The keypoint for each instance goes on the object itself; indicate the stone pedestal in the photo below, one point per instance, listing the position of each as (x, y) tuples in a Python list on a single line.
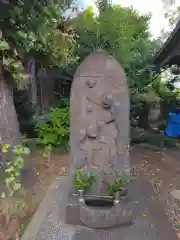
[(98, 217)]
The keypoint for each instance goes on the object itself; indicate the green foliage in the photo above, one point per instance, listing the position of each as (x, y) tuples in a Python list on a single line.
[(123, 33), (119, 185), (56, 133), (63, 102), (84, 181), (139, 135), (43, 39), (32, 29), (13, 187), (14, 168)]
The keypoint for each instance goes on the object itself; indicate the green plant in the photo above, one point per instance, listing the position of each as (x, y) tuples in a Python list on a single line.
[(157, 139), (119, 185), (47, 153), (56, 133), (14, 168), (38, 31), (83, 181), (13, 177)]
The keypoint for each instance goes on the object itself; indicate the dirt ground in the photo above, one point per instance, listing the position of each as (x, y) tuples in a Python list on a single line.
[(161, 169), (45, 174)]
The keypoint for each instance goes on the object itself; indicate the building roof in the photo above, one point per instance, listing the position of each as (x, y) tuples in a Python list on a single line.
[(162, 59)]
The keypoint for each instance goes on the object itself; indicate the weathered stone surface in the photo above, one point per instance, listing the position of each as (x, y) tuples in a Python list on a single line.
[(81, 214), (91, 83), (99, 137), (89, 108), (91, 131), (120, 214), (100, 106), (176, 194)]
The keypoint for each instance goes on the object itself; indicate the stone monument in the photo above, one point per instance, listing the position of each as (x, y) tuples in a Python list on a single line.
[(99, 141)]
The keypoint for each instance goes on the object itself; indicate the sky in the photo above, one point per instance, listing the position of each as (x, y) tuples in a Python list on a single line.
[(155, 7)]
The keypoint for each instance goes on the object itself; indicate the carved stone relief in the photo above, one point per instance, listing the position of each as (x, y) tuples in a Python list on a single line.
[(104, 129)]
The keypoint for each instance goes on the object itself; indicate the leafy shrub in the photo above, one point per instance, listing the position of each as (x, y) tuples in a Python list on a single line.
[(84, 181), (56, 132), (139, 135), (119, 185), (63, 102), (14, 167), (13, 186)]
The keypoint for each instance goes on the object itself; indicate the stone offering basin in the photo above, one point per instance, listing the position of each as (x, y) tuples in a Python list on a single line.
[(98, 212), (99, 202)]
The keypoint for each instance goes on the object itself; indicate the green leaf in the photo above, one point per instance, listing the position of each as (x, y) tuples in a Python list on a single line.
[(5, 148), (3, 195), (10, 169), (27, 151), (21, 34), (17, 187), (4, 45)]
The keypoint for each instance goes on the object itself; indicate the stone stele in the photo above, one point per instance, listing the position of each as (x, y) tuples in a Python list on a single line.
[(99, 134)]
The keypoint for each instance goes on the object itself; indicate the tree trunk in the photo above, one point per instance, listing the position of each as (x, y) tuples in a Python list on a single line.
[(143, 117), (32, 81), (10, 131), (9, 126)]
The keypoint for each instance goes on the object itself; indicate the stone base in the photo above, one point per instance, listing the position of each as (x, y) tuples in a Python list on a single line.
[(98, 217)]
